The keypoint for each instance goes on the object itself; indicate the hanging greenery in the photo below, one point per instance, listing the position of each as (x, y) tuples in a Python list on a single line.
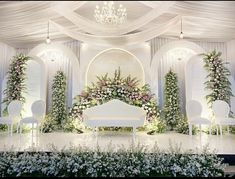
[(218, 83), (59, 106), (171, 110), (15, 80), (124, 89)]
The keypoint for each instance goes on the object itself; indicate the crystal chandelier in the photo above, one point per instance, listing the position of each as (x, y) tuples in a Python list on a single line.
[(108, 14)]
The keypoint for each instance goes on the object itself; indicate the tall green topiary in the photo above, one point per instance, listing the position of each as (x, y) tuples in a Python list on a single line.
[(218, 83), (59, 106), (16, 80), (171, 110)]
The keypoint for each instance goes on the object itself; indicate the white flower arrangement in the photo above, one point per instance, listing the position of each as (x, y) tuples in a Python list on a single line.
[(135, 161)]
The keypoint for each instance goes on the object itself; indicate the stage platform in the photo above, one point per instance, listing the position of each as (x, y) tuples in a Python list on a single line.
[(224, 145)]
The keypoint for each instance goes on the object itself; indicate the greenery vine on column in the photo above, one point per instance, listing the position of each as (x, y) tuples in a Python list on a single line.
[(218, 83), (171, 111), (59, 107), (16, 80)]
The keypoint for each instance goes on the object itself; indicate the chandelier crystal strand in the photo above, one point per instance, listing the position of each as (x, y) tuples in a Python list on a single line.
[(108, 14)]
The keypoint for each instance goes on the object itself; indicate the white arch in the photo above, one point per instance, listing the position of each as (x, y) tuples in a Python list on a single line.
[(43, 92), (163, 50), (38, 50), (120, 49), (195, 77), (33, 93)]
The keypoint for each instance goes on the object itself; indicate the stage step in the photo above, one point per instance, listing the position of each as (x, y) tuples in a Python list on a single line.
[(230, 171)]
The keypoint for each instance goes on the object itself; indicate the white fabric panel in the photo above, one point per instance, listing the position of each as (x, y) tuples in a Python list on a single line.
[(23, 50), (157, 43), (122, 40), (33, 85), (75, 47), (218, 46), (6, 54), (4, 84), (231, 55), (194, 80), (231, 60)]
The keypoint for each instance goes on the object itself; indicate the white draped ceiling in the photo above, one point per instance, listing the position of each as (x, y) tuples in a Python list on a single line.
[(24, 23)]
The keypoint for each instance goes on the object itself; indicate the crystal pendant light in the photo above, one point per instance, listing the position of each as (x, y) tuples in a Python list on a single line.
[(181, 33)]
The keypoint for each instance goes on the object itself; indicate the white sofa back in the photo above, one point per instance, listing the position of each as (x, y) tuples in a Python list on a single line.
[(115, 108)]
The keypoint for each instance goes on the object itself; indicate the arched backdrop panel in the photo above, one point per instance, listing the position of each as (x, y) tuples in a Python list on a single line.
[(174, 59), (195, 77), (232, 81), (35, 82), (109, 60), (59, 57), (177, 54)]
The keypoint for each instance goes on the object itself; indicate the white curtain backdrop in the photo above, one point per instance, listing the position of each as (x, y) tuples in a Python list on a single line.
[(178, 66), (6, 54)]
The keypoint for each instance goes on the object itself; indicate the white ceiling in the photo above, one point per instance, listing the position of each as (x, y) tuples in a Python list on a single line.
[(24, 23)]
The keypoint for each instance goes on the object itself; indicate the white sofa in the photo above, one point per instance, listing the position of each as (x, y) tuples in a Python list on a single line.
[(114, 113)]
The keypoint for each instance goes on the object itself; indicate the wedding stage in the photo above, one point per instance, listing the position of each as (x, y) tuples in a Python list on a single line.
[(117, 88), (114, 139)]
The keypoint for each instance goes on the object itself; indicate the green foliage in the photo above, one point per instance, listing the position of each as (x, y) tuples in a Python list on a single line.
[(4, 127), (232, 129), (213, 130), (59, 104), (15, 80), (156, 126), (49, 124), (57, 117), (124, 89), (171, 111), (218, 83), (183, 127), (73, 125)]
